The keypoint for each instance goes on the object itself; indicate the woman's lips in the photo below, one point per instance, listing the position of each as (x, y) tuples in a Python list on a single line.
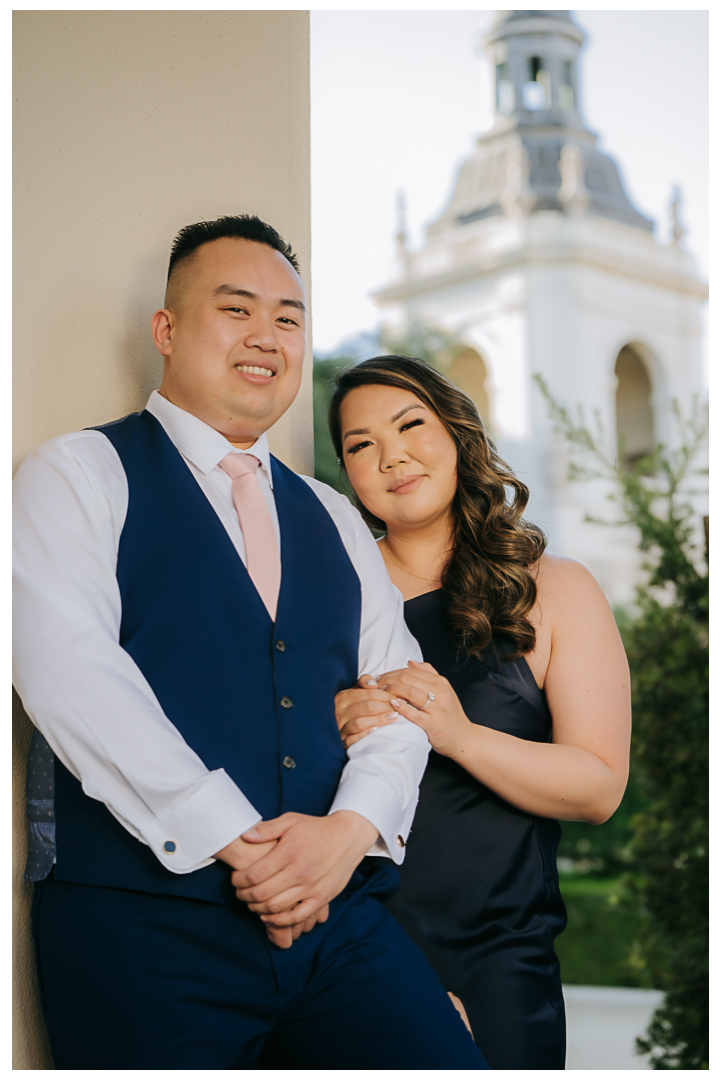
[(405, 484)]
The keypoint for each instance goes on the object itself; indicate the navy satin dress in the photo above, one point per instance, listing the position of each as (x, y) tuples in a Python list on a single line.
[(479, 886)]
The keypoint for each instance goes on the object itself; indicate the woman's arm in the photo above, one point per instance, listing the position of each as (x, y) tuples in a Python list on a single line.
[(582, 774)]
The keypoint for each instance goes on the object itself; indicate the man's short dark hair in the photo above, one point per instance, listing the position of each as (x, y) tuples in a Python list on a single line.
[(243, 226)]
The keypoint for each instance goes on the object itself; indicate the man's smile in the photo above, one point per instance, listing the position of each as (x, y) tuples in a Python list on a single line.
[(256, 370)]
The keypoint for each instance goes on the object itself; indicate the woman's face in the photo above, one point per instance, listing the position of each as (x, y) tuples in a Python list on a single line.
[(400, 459)]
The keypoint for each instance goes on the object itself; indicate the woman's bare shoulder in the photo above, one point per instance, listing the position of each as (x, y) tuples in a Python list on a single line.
[(566, 583), (550, 565)]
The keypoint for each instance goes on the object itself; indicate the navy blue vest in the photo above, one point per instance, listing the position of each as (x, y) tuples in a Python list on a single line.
[(249, 696)]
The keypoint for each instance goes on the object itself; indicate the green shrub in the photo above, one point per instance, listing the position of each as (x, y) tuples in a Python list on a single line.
[(605, 851), (667, 650), (423, 342), (667, 647), (601, 938), (326, 463)]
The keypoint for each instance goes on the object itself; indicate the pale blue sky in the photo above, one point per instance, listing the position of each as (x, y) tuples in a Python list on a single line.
[(398, 97)]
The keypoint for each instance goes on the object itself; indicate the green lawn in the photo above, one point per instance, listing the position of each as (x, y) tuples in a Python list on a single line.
[(596, 948)]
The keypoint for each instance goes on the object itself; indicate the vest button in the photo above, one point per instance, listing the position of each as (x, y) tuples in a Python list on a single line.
[(280, 646), (288, 762), (287, 703)]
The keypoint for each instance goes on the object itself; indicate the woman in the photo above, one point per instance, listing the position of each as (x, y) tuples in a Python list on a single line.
[(524, 695)]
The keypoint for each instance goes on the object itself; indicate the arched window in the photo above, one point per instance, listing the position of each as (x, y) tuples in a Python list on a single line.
[(467, 370), (504, 94), (633, 403), (567, 86), (536, 91)]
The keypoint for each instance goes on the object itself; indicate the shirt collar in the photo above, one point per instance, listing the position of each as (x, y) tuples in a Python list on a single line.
[(197, 441)]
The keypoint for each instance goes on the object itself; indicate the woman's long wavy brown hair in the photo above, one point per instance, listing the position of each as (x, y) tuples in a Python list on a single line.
[(487, 577)]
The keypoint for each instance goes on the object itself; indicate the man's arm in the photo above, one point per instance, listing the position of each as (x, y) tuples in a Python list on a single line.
[(384, 770), (377, 794), (79, 687)]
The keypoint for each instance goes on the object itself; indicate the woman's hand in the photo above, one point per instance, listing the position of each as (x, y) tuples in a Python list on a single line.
[(362, 710), (427, 699)]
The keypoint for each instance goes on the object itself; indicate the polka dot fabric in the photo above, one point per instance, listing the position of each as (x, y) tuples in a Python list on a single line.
[(40, 809)]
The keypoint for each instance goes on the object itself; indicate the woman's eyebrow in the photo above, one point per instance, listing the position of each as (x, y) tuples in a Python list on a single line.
[(366, 431), (356, 431), (403, 411)]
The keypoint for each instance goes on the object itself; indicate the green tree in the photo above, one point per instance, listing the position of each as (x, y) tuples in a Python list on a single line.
[(602, 853), (423, 342), (667, 647), (326, 462)]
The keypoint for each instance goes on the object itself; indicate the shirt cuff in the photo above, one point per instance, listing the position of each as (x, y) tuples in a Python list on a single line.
[(379, 804), (213, 814)]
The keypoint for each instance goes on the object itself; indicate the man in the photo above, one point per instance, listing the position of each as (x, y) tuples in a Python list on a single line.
[(187, 607)]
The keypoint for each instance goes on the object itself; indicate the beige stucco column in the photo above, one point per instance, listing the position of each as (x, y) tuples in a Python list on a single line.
[(129, 125)]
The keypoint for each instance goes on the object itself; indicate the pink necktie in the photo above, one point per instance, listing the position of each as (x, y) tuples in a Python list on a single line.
[(261, 547)]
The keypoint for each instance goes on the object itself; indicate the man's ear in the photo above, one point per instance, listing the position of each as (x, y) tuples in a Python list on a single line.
[(162, 324)]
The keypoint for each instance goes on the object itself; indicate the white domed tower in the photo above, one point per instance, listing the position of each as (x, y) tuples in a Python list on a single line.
[(541, 264)]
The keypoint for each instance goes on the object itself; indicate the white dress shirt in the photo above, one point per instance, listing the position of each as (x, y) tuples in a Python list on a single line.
[(95, 707)]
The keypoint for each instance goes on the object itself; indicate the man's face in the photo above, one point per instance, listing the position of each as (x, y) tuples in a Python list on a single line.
[(234, 337)]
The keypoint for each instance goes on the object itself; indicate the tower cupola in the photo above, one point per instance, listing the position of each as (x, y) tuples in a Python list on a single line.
[(539, 153), (535, 60)]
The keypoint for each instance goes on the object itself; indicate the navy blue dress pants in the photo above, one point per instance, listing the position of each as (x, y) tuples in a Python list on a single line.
[(136, 981)]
